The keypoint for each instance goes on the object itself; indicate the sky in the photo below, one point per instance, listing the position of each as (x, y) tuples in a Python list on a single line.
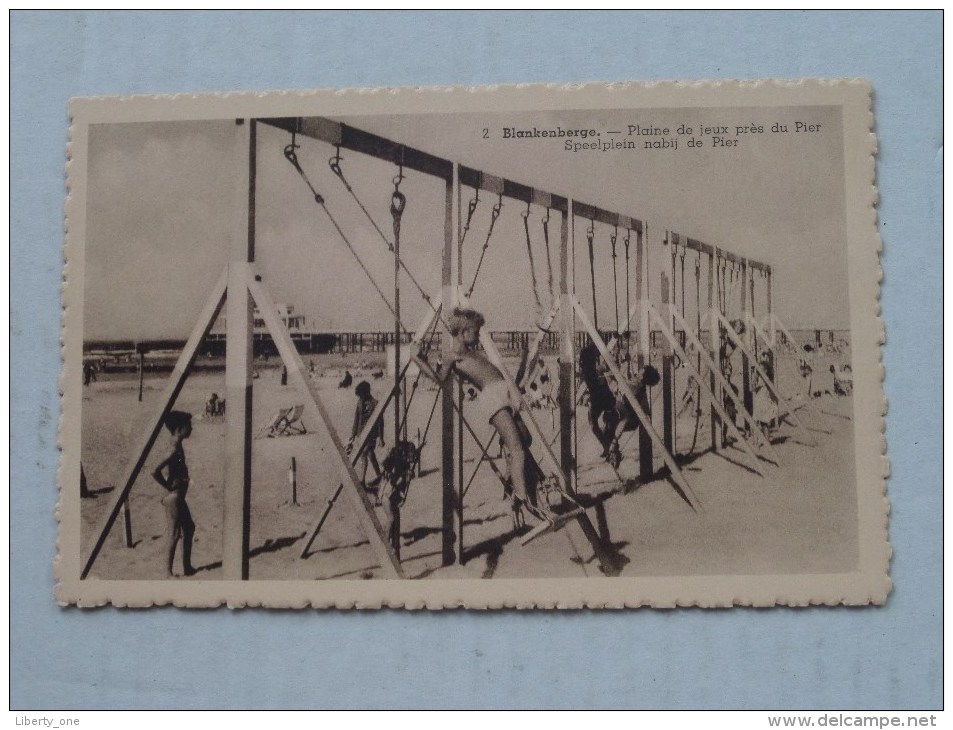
[(164, 200)]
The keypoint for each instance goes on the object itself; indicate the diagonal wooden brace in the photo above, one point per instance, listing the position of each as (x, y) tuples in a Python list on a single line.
[(676, 473), (292, 360), (180, 373), (809, 403), (757, 366), (716, 371)]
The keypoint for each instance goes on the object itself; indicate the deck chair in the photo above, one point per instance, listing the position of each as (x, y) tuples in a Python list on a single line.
[(274, 423), (291, 423)]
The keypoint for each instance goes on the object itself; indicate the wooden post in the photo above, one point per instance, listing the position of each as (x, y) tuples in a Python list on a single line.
[(142, 359), (567, 357), (714, 295), (772, 331), (293, 479), (668, 367), (238, 379), (451, 511), (646, 467), (745, 361)]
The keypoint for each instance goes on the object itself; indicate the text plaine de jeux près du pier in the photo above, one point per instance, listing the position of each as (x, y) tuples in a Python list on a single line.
[(652, 137)]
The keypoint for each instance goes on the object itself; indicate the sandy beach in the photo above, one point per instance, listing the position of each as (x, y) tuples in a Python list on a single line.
[(800, 518)]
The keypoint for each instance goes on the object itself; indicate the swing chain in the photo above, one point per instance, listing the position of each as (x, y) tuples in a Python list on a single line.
[(471, 209), (292, 157), (493, 216), (398, 201), (549, 261), (495, 213), (335, 165), (532, 264), (590, 237)]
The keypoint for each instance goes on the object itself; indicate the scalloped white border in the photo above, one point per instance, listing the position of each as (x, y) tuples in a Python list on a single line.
[(870, 584)]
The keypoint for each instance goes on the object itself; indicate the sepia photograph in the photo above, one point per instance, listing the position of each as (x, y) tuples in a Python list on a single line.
[(530, 346)]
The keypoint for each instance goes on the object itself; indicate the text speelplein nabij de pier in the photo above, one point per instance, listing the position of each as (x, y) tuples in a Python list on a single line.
[(650, 137)]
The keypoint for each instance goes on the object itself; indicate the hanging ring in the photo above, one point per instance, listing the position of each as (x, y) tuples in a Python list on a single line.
[(290, 154), (398, 201)]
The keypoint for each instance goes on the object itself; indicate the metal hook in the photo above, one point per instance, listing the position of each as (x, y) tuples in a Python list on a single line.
[(335, 162), (498, 207), (399, 178)]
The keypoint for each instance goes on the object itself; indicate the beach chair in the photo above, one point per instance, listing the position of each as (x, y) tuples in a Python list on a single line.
[(843, 380), (274, 423), (290, 424)]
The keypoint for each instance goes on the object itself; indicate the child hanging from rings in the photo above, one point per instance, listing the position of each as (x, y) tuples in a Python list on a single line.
[(493, 402), (173, 474)]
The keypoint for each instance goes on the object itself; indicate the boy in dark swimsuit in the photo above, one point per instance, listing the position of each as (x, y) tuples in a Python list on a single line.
[(175, 481)]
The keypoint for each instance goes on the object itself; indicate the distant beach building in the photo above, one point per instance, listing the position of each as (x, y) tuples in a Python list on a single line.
[(295, 323)]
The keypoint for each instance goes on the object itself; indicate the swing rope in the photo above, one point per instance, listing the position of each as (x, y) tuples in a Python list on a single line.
[(673, 299), (471, 209), (398, 203), (532, 264), (292, 157), (698, 356), (413, 388), (615, 284), (549, 261), (628, 308), (590, 235), (335, 164), (486, 244)]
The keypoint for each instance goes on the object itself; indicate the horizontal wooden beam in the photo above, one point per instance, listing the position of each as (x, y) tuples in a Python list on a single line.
[(509, 189), (591, 212), (351, 138), (708, 249)]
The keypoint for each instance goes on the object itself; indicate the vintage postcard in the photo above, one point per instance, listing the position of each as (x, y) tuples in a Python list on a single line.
[(527, 346)]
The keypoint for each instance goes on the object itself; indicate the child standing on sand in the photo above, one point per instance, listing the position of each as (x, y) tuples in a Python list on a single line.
[(176, 481), (493, 401), (366, 405)]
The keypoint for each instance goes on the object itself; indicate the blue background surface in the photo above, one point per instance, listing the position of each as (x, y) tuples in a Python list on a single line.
[(869, 658)]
